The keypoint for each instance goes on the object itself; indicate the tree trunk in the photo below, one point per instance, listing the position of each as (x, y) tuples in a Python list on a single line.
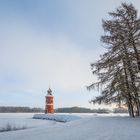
[(129, 98)]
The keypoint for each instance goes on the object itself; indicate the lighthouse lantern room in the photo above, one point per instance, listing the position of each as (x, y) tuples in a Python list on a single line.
[(49, 102)]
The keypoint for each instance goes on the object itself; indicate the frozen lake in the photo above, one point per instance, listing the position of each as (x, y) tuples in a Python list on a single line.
[(88, 127), (22, 119), (26, 119)]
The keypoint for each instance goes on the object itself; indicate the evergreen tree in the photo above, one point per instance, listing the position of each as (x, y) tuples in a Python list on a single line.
[(118, 69)]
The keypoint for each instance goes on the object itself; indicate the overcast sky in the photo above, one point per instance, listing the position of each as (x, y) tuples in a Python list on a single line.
[(50, 43)]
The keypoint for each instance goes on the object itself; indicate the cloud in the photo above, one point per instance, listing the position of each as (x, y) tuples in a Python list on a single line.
[(40, 60)]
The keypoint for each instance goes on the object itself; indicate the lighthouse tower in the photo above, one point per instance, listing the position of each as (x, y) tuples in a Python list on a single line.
[(49, 102)]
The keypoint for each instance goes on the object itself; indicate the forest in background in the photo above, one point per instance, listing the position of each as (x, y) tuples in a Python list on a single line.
[(11, 109)]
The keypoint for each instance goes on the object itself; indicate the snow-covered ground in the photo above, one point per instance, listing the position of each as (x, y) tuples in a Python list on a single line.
[(85, 127)]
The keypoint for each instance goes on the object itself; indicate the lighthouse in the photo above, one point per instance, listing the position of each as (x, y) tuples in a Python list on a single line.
[(49, 102)]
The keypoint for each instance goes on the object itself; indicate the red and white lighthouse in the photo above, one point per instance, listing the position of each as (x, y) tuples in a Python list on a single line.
[(49, 102)]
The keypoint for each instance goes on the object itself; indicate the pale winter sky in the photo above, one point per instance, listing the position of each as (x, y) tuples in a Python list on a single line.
[(50, 43)]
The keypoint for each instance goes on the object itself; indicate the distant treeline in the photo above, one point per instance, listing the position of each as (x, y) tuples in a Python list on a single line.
[(11, 109), (80, 110), (87, 110)]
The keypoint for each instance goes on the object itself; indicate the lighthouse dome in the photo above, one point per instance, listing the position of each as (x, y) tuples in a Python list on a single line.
[(49, 91)]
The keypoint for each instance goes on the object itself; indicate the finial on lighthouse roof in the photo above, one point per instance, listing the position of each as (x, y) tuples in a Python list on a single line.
[(49, 91)]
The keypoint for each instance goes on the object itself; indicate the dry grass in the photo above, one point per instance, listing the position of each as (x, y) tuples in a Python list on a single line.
[(10, 127)]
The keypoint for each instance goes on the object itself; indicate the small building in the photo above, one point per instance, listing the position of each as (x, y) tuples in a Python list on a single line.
[(49, 102)]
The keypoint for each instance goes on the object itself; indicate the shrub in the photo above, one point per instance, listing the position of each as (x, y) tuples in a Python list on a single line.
[(10, 127)]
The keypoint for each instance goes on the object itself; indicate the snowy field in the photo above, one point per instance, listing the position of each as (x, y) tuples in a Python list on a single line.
[(84, 127)]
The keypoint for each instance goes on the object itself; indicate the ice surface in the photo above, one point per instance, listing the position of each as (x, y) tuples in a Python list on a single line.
[(90, 127)]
